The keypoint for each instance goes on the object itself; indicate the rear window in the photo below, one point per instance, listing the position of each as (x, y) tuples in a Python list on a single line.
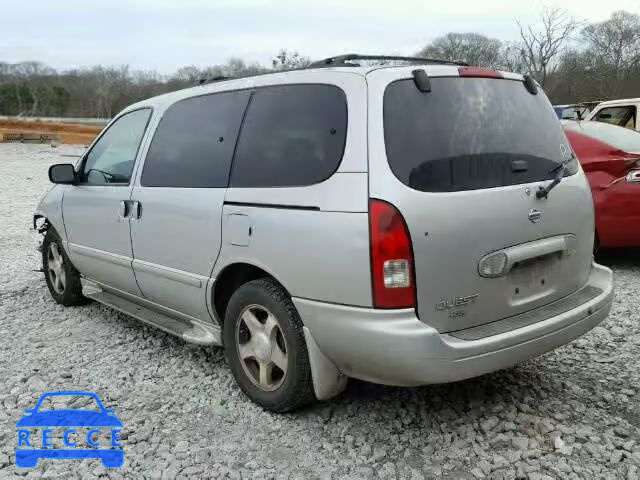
[(471, 133), (618, 137), (292, 135)]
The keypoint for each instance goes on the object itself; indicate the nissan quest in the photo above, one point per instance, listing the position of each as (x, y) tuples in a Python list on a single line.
[(406, 223)]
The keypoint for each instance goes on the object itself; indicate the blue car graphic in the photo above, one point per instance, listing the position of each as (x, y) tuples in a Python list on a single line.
[(68, 418)]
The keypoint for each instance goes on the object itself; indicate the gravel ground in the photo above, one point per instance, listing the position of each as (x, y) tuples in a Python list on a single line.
[(573, 413)]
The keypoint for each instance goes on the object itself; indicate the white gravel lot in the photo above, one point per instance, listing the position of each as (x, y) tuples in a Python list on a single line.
[(573, 413)]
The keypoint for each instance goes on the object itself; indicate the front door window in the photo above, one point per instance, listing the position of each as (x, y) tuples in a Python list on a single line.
[(110, 161)]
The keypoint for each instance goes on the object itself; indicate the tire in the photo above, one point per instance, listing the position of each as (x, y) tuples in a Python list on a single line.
[(63, 280), (275, 345)]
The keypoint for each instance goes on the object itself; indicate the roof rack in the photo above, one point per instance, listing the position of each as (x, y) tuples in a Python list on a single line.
[(344, 60), (217, 78), (337, 61)]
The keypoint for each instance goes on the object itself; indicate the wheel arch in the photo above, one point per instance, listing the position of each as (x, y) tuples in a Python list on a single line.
[(232, 277), (49, 210), (327, 380), (42, 224)]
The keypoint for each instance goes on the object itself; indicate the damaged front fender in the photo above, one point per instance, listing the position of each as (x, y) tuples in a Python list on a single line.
[(48, 214)]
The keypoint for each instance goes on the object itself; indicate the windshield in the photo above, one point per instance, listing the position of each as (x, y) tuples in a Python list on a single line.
[(619, 137), (471, 133), (574, 113)]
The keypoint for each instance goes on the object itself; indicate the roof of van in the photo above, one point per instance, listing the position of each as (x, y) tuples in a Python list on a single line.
[(620, 101), (271, 78)]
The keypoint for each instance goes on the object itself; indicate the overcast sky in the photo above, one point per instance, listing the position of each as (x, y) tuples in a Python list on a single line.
[(165, 35)]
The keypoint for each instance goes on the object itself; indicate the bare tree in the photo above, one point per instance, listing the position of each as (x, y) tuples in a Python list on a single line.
[(542, 44), (472, 48), (189, 74), (38, 78), (512, 58), (615, 48), (616, 40), (286, 60)]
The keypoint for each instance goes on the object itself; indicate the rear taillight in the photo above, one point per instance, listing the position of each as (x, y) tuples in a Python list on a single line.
[(392, 269)]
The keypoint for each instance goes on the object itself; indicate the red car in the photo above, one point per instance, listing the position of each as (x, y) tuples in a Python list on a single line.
[(610, 157)]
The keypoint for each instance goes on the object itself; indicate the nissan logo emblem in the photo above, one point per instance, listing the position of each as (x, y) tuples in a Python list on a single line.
[(534, 215)]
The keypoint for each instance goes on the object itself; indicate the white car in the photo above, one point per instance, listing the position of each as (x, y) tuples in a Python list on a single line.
[(623, 113)]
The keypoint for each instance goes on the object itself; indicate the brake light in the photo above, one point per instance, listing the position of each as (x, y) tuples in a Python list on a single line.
[(478, 72), (392, 268)]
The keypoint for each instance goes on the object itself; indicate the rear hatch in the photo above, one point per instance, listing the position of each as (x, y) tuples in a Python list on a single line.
[(462, 164)]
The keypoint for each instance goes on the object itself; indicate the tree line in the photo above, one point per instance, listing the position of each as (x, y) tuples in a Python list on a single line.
[(572, 60), (34, 89)]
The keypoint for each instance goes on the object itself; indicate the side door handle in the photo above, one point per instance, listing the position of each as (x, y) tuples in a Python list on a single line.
[(136, 210), (123, 210), (129, 210)]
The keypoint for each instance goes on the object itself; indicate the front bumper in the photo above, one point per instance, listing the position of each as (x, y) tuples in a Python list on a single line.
[(394, 347)]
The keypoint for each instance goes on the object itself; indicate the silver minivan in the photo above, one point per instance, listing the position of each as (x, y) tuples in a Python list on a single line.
[(409, 223)]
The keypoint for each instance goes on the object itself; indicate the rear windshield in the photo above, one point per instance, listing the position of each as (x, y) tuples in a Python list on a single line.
[(618, 137), (471, 133)]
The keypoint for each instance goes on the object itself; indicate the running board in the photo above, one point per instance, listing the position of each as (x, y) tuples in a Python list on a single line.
[(189, 331)]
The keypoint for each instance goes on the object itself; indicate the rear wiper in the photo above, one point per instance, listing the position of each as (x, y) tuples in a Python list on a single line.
[(543, 192)]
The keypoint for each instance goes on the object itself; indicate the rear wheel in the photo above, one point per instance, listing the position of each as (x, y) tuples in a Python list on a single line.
[(61, 276), (265, 346)]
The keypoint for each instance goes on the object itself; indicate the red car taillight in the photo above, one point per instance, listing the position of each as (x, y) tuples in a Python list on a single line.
[(392, 269)]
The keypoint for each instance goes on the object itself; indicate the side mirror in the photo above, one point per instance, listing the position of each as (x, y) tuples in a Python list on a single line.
[(62, 173), (633, 176)]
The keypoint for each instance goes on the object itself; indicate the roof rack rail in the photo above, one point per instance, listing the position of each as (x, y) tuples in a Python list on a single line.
[(217, 78), (344, 60)]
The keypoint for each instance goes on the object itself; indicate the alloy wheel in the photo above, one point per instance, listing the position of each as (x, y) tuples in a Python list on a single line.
[(262, 348), (55, 268)]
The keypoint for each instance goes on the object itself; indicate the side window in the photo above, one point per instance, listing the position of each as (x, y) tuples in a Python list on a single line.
[(193, 144), (292, 135), (111, 159), (624, 116), (632, 122)]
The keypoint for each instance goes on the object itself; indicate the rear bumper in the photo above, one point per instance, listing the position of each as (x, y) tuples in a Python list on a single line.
[(393, 347)]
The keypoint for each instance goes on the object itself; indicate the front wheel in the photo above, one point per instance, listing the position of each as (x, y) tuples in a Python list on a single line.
[(265, 347), (62, 277)]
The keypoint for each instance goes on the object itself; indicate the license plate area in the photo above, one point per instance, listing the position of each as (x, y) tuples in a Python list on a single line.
[(534, 278)]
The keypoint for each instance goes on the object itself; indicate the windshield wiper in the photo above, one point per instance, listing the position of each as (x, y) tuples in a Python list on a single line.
[(543, 192)]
